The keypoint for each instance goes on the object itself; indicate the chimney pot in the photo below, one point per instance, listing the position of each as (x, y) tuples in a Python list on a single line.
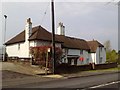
[(29, 21)]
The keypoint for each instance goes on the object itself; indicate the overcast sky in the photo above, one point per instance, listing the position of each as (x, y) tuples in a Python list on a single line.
[(85, 20)]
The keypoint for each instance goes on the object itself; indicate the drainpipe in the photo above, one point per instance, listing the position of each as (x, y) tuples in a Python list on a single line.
[(94, 57), (99, 55)]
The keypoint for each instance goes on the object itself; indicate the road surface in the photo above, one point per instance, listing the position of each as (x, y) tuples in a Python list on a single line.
[(79, 83), (111, 85)]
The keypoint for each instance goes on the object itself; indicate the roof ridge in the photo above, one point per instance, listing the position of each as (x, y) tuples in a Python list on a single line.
[(74, 38)]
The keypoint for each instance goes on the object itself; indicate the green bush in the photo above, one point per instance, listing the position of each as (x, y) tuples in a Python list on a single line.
[(112, 56)]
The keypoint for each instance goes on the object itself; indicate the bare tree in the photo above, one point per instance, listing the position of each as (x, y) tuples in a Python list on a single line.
[(107, 45)]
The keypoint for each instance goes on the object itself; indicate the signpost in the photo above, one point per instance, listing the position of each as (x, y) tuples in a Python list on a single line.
[(4, 48)]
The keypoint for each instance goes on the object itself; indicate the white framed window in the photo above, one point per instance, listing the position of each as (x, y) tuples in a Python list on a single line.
[(87, 60), (100, 59), (19, 46), (81, 51), (66, 51)]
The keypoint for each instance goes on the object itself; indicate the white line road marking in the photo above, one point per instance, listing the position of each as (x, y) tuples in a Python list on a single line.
[(105, 84)]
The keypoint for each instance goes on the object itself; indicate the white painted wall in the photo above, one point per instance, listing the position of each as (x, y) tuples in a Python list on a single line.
[(103, 54), (100, 53), (73, 52), (65, 52), (86, 60), (12, 50), (23, 52), (32, 43), (16, 50), (85, 55), (88, 57), (19, 49), (93, 57)]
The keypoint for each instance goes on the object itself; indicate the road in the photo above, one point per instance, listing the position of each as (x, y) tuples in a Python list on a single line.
[(84, 83), (110, 85)]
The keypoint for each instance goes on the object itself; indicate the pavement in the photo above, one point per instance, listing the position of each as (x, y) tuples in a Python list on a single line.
[(84, 73), (89, 73)]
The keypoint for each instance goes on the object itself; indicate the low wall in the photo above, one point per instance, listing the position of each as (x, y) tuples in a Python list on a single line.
[(65, 68), (106, 66)]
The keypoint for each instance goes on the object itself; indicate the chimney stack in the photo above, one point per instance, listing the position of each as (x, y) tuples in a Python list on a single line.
[(28, 28), (61, 29)]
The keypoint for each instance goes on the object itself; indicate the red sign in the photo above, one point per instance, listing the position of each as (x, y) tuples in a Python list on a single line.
[(81, 58)]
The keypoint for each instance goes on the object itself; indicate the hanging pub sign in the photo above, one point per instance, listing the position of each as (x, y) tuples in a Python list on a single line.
[(81, 58)]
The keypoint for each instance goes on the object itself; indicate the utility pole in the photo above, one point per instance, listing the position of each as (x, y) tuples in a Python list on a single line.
[(53, 36), (4, 48)]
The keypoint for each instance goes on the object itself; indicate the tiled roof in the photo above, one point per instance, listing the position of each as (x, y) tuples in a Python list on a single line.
[(38, 33), (73, 43), (18, 38), (93, 45)]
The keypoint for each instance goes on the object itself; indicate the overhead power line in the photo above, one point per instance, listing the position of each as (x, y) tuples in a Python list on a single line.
[(44, 14)]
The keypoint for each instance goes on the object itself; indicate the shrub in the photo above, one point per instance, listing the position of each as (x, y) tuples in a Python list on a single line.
[(39, 55)]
